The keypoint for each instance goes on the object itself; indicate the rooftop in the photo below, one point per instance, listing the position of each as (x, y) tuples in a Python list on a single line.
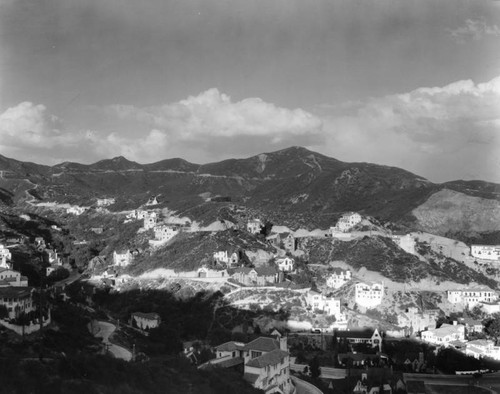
[(272, 358), (263, 344), (230, 346), (366, 334)]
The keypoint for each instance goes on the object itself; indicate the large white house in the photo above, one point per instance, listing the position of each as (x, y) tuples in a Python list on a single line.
[(486, 252), (254, 226), (145, 320), (122, 258), (150, 221), (285, 264), (482, 348), (17, 300), (10, 277), (445, 334), (221, 256), (266, 363), (328, 305), (338, 278), (104, 202), (369, 295), (75, 210), (346, 222), (472, 296), (165, 233)]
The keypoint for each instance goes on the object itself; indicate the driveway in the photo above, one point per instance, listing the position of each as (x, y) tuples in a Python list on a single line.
[(104, 330)]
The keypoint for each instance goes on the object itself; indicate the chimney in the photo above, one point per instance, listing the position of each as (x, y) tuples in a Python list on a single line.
[(283, 343)]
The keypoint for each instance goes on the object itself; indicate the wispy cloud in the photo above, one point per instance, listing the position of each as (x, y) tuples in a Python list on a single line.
[(474, 29)]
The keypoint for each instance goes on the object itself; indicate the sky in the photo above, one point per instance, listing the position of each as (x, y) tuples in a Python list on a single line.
[(407, 83)]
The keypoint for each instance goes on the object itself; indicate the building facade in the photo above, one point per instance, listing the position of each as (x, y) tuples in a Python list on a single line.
[(485, 252), (471, 297), (369, 295), (338, 278)]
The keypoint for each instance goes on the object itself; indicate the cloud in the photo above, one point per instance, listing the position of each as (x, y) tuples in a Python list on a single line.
[(474, 29), (442, 133), (214, 114), (200, 128)]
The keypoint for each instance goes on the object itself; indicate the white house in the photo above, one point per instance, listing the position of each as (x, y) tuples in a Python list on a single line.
[(405, 242), (417, 321), (490, 307), (165, 233), (75, 210), (266, 363), (145, 320), (445, 334), (221, 256), (369, 295), (122, 258), (103, 202), (338, 278), (138, 214), (482, 348), (346, 222), (471, 296), (4, 256), (17, 300), (254, 226), (486, 252), (328, 305), (368, 336), (285, 264), (150, 220), (152, 201), (205, 272), (10, 277)]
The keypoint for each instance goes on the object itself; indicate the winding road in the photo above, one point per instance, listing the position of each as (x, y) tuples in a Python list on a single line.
[(102, 329)]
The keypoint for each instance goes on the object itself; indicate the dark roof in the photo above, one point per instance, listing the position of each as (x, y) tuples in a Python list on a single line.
[(272, 358), (266, 270), (230, 346), (251, 377), (263, 344), (358, 334), (338, 270), (15, 291), (149, 316), (230, 362)]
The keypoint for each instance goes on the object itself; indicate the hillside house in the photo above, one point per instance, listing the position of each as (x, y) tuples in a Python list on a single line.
[(266, 363), (165, 233), (471, 325), (137, 214), (289, 242), (4, 256), (371, 385), (205, 272), (17, 300), (417, 321), (254, 226), (472, 296), (481, 348), (221, 257), (145, 321), (150, 221), (97, 230), (445, 334), (405, 242), (338, 278), (328, 305), (152, 201), (490, 307), (485, 252), (259, 276), (346, 222), (274, 239), (368, 336), (285, 264), (10, 277), (104, 202), (75, 210), (369, 295), (51, 257), (122, 258)]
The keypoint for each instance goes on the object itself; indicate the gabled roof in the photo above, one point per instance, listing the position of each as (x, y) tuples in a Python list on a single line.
[(272, 358), (251, 377), (230, 346), (263, 344), (15, 291)]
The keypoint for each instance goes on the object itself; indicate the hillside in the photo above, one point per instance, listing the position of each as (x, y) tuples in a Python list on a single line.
[(380, 254), (293, 187)]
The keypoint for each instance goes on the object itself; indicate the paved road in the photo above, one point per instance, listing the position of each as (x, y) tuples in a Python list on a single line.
[(304, 387), (104, 330)]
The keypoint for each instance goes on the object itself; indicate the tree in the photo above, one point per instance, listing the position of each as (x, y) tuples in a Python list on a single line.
[(314, 369), (266, 229), (492, 326), (4, 312)]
